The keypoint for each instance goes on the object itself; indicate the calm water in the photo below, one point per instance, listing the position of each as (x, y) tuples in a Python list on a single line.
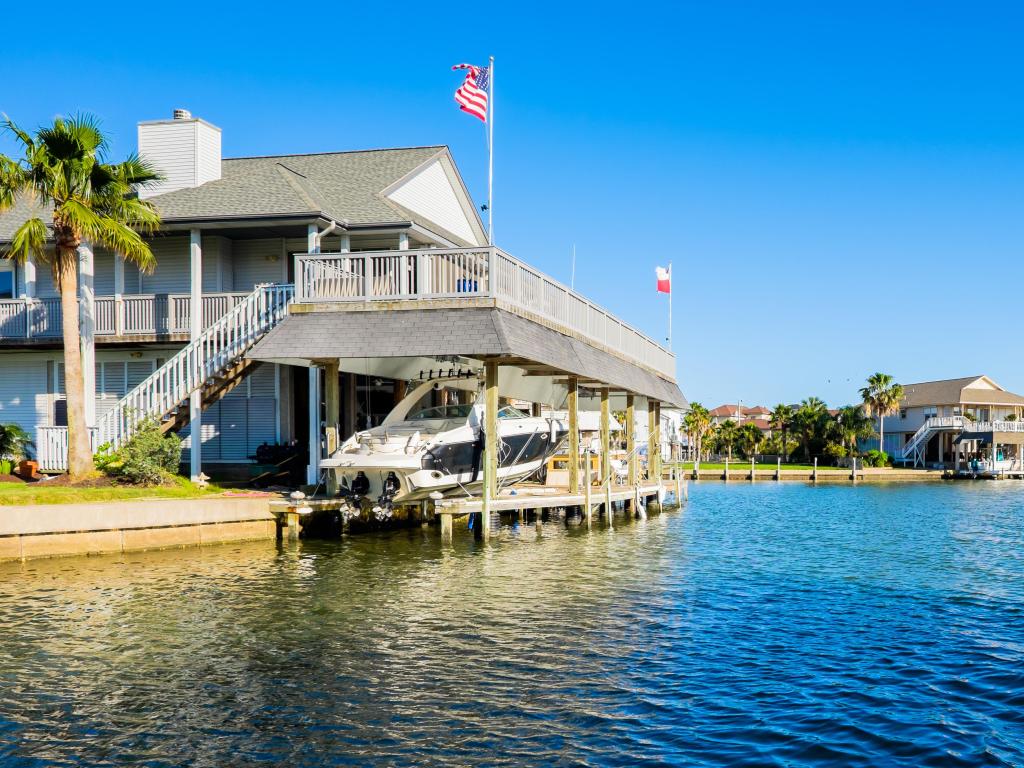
[(785, 625)]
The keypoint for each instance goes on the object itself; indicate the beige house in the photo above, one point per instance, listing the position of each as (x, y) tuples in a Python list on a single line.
[(937, 420)]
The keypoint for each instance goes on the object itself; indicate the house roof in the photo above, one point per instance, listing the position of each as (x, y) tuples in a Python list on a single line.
[(950, 391), (757, 410), (345, 186), (726, 410)]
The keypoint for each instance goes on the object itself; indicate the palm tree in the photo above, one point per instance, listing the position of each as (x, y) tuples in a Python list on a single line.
[(809, 420), (851, 424), (781, 417), (63, 172), (881, 397), (727, 435), (698, 421), (751, 437)]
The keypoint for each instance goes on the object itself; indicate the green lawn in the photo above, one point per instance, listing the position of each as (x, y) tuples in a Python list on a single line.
[(42, 493), (744, 466)]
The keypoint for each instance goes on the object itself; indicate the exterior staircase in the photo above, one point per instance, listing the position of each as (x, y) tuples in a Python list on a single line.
[(913, 451), (213, 364)]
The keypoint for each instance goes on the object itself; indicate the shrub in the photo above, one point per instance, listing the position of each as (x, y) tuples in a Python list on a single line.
[(15, 442), (148, 458), (835, 451), (876, 458)]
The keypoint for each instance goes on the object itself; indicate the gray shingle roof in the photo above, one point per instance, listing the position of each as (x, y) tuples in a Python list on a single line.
[(470, 332), (345, 186)]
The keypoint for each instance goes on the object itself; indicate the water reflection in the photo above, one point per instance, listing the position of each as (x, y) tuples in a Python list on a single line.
[(762, 624)]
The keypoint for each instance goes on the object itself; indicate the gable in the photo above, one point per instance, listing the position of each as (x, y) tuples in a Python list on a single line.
[(983, 382), (433, 193)]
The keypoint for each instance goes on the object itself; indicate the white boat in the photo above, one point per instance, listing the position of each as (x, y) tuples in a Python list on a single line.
[(418, 451)]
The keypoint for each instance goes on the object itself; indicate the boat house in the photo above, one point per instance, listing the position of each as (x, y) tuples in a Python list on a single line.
[(294, 299)]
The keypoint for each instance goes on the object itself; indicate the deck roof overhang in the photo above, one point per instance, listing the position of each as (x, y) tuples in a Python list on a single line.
[(537, 360)]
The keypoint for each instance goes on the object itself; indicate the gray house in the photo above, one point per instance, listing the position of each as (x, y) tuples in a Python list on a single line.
[(230, 225), (934, 415)]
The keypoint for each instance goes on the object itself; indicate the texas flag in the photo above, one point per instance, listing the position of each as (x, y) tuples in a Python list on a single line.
[(664, 279)]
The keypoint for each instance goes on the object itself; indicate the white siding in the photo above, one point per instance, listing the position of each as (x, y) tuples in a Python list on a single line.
[(186, 152), (431, 194), (23, 398), (237, 425), (172, 266), (103, 272), (256, 261)]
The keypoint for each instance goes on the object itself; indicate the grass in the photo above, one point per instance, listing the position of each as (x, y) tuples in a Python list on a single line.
[(740, 465), (40, 493)]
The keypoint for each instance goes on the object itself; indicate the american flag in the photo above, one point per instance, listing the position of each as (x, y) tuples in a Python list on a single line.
[(472, 94)]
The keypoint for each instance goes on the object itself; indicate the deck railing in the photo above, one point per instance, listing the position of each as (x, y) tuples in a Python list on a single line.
[(125, 315), (455, 273)]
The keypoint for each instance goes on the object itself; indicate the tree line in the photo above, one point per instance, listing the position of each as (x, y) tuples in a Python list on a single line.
[(805, 430)]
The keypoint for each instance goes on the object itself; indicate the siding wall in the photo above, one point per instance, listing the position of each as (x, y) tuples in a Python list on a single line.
[(431, 194), (237, 425), (23, 398), (257, 261)]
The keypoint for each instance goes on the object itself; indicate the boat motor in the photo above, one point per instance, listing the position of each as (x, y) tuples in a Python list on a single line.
[(385, 507)]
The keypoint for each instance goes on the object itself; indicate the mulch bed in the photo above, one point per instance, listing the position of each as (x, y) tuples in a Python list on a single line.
[(13, 479)]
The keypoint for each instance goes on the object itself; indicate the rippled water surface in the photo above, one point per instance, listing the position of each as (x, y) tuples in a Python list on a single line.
[(766, 624)]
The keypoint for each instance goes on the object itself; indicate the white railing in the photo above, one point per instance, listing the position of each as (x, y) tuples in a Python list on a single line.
[(931, 424), (996, 426), (124, 315), (455, 273), (52, 447), (219, 347)]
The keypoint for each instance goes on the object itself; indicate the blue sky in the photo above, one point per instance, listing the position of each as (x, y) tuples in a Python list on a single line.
[(838, 188)]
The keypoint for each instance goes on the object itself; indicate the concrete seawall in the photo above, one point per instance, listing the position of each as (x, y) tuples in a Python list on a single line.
[(53, 530), (828, 474)]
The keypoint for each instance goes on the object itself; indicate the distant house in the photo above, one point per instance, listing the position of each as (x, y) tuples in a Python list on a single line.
[(757, 415), (935, 418)]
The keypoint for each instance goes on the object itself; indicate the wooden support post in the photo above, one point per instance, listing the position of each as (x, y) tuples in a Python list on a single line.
[(657, 440), (608, 501), (332, 404), (778, 468), (679, 489), (632, 458), (446, 527), (726, 475), (751, 470), (490, 489), (686, 490), (652, 446), (606, 438), (588, 506), (574, 435), (814, 476), (292, 518)]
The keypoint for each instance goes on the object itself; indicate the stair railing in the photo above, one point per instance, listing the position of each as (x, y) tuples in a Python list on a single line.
[(215, 349)]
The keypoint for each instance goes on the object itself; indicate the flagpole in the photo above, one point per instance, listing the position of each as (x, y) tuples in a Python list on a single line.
[(670, 287), (490, 156)]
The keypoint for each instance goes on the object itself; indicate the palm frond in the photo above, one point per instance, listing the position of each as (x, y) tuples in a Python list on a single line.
[(13, 182), (124, 240), (79, 217), (29, 240), (22, 136)]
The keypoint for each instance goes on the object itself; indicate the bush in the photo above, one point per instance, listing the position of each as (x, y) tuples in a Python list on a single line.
[(835, 451), (15, 442), (148, 458), (876, 458)]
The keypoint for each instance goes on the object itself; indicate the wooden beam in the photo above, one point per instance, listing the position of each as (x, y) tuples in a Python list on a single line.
[(631, 440), (652, 450), (332, 402), (574, 437), (490, 489), (606, 437)]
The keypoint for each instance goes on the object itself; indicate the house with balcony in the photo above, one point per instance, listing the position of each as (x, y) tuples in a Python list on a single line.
[(950, 422), (247, 242)]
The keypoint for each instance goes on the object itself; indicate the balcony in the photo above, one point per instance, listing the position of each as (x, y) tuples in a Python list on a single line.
[(467, 274), (131, 316)]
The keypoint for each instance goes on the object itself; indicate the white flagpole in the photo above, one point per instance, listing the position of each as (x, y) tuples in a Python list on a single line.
[(670, 288), (490, 156)]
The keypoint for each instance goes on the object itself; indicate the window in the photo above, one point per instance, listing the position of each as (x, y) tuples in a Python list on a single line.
[(6, 281)]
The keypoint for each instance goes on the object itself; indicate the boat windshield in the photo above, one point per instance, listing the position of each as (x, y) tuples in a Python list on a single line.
[(441, 412), (508, 412)]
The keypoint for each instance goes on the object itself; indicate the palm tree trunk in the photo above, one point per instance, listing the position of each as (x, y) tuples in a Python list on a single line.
[(80, 463), (881, 432)]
